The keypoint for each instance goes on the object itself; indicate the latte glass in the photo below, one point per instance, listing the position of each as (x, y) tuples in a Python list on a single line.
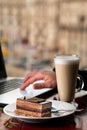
[(66, 74)]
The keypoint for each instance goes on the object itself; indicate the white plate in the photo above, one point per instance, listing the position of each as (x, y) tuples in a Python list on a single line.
[(67, 109)]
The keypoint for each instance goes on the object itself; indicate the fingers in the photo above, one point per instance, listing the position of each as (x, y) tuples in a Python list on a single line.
[(24, 85), (39, 85), (29, 75), (27, 83), (30, 81), (42, 85)]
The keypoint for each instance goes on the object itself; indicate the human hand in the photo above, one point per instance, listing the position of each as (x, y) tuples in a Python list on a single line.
[(49, 78)]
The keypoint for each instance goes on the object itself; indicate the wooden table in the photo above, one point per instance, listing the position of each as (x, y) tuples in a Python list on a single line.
[(76, 121)]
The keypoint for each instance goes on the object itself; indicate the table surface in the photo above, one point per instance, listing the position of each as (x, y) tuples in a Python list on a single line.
[(76, 121)]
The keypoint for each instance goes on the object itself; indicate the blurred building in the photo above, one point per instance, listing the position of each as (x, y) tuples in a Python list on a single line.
[(50, 26), (13, 19), (73, 27)]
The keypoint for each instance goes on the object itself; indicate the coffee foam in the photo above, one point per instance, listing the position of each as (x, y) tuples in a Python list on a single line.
[(66, 59)]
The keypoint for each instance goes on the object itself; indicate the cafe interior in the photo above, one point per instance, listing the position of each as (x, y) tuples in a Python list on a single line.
[(32, 32)]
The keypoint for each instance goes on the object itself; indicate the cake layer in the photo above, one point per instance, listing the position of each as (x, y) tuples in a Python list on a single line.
[(33, 114), (33, 109)]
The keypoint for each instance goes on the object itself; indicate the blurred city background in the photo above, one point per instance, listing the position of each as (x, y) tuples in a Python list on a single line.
[(32, 32)]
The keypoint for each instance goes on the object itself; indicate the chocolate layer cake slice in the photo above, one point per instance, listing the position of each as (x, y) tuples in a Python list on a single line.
[(35, 107)]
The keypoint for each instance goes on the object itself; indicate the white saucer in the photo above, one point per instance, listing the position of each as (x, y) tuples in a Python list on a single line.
[(62, 109)]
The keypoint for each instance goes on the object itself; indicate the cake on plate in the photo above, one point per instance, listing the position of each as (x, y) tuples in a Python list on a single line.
[(35, 107)]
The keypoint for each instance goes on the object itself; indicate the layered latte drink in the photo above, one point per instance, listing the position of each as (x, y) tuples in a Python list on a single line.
[(66, 73)]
